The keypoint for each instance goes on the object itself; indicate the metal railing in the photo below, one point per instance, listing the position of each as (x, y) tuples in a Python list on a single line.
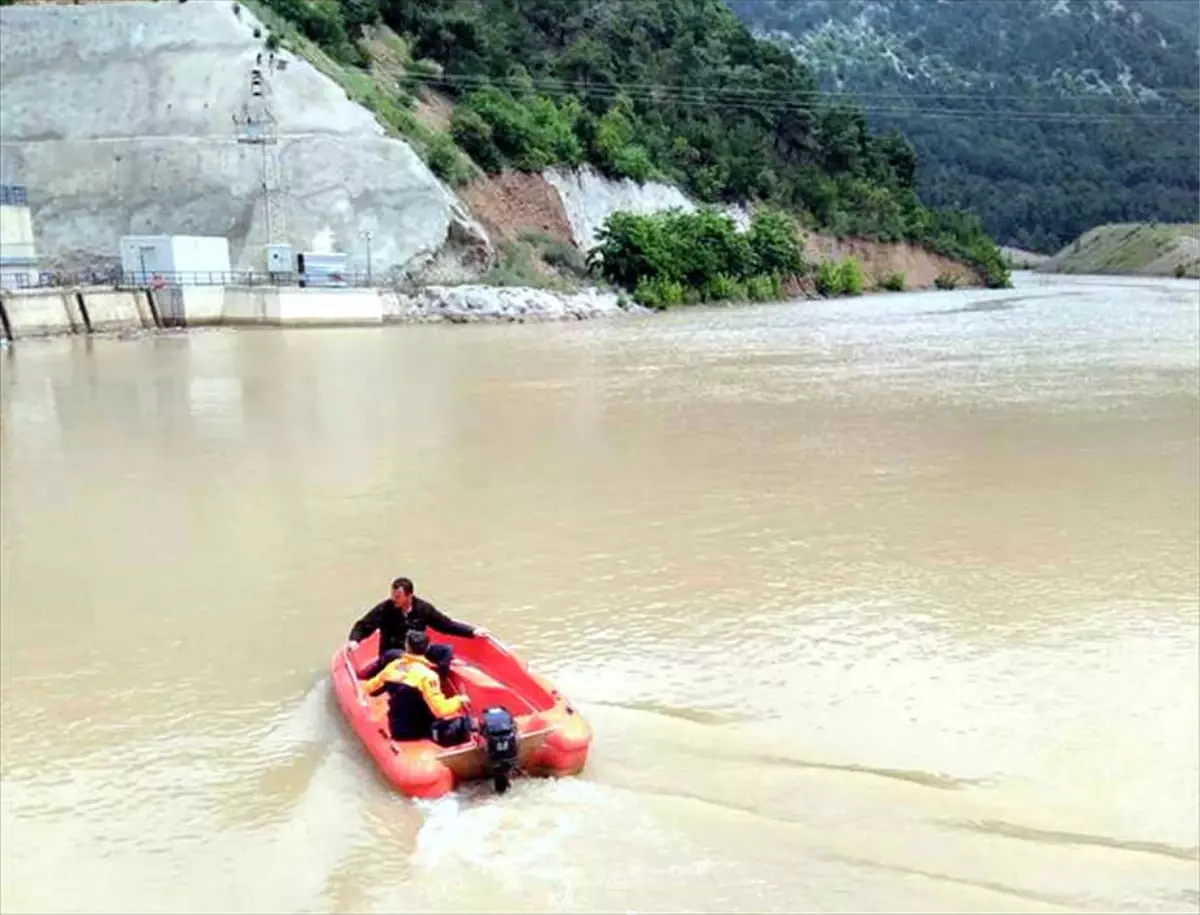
[(14, 195), (118, 278)]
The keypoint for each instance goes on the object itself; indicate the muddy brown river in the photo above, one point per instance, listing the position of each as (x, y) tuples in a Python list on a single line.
[(887, 604)]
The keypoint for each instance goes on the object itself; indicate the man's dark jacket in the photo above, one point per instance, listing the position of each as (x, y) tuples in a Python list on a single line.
[(393, 623)]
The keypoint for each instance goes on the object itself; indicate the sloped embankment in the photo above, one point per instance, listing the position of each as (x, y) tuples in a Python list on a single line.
[(1137, 249)]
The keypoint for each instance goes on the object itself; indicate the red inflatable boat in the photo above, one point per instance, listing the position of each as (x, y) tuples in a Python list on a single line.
[(526, 725)]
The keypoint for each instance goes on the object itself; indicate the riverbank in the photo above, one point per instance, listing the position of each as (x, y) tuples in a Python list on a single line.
[(89, 310), (1131, 249), (54, 312)]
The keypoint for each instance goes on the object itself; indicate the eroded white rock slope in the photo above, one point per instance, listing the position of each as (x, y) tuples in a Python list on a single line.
[(589, 199)]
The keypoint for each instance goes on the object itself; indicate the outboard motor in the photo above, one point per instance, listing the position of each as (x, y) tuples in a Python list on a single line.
[(502, 740)]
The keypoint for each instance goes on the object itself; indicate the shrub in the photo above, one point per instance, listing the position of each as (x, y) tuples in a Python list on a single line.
[(774, 244), (842, 278), (946, 281), (532, 134), (564, 256), (828, 280), (763, 288), (446, 162), (893, 282), (659, 293), (703, 252), (850, 277), (474, 135), (720, 288)]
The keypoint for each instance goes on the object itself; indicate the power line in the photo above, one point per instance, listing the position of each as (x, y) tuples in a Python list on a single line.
[(707, 97), (750, 92), (767, 95)]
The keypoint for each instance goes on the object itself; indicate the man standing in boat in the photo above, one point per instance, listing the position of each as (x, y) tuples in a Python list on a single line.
[(398, 614)]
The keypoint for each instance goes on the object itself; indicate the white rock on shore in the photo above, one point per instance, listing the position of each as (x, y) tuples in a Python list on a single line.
[(475, 303)]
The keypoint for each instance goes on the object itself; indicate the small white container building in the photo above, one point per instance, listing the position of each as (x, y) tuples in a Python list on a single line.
[(175, 260)]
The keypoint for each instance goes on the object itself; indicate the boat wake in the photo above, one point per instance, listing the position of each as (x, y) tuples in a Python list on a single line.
[(313, 719)]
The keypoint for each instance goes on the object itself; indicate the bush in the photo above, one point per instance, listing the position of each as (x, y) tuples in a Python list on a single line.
[(893, 282), (564, 256), (532, 134), (446, 162), (474, 135), (514, 267), (827, 279), (633, 161), (703, 252), (842, 278), (946, 281), (659, 293), (721, 288), (764, 288), (775, 245), (850, 277)]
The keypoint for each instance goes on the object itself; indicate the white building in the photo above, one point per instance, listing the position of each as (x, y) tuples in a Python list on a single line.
[(18, 252), (175, 260)]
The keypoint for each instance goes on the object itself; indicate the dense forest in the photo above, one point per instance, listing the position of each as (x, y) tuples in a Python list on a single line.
[(1042, 117), (672, 89)]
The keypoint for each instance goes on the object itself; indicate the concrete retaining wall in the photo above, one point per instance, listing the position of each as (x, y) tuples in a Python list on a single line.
[(87, 311), (41, 313), (44, 312), (117, 310), (291, 307)]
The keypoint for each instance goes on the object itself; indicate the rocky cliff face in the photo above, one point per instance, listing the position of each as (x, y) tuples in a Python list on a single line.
[(120, 119)]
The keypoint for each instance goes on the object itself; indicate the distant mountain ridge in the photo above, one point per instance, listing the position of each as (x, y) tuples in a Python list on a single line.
[(1042, 117)]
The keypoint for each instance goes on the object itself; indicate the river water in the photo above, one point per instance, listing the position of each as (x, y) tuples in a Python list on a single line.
[(880, 604)]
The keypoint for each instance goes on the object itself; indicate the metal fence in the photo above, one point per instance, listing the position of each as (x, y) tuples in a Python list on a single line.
[(118, 278)]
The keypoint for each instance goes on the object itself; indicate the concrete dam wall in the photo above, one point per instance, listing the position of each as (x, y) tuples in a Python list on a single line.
[(120, 118)]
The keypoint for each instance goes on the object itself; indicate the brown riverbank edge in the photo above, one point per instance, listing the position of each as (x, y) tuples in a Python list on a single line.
[(117, 312)]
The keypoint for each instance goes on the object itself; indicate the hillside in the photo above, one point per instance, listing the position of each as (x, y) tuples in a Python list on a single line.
[(119, 117), (1148, 250), (1042, 117), (1022, 260), (676, 90)]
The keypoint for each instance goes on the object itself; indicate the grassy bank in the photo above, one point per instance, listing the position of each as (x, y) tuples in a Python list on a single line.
[(1135, 249)]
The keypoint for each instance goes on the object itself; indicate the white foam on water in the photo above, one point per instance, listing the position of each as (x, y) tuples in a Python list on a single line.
[(513, 840), (312, 720)]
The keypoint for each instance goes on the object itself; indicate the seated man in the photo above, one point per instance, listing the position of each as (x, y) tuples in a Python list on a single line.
[(417, 707), (440, 656)]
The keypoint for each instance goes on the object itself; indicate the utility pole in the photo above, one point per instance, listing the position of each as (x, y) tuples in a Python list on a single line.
[(257, 126)]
